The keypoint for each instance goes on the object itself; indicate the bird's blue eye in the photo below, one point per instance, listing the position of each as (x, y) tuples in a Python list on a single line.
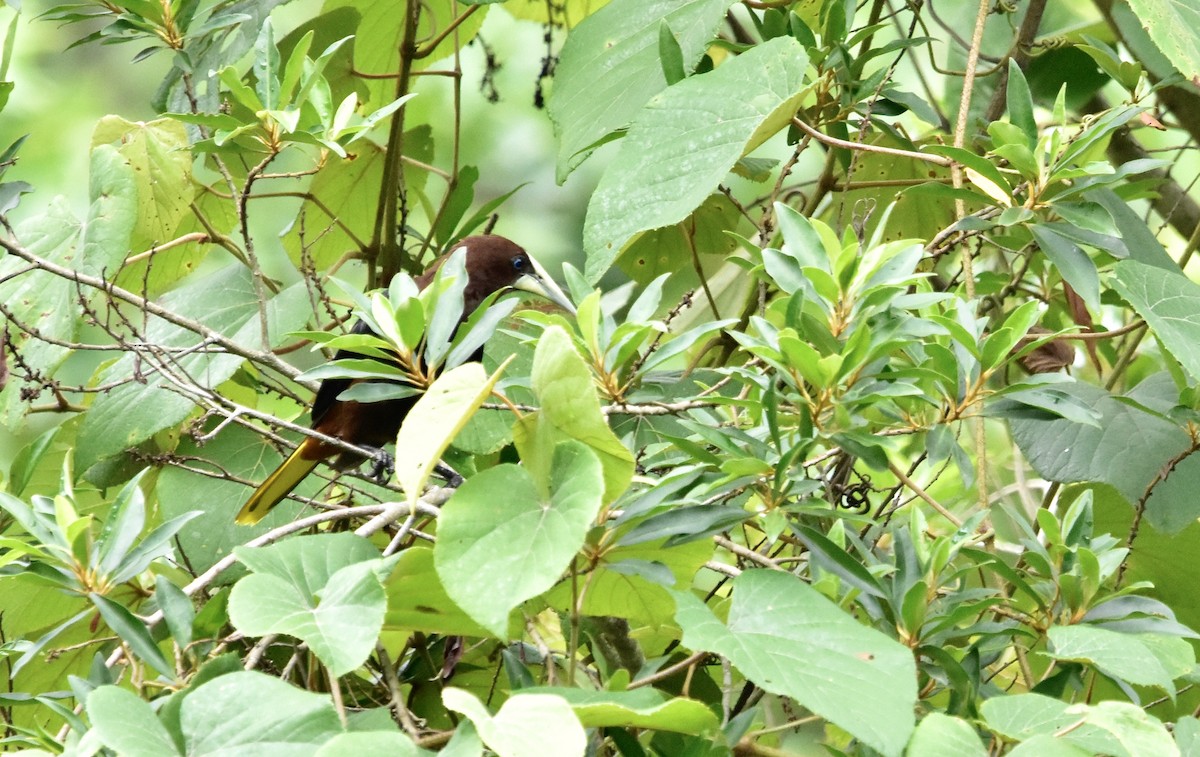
[(518, 263)]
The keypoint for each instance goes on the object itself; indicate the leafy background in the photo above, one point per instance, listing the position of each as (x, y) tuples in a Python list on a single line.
[(873, 432)]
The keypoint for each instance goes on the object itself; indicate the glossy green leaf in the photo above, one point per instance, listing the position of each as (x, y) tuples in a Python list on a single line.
[(122, 527), (325, 590), (670, 54), (1173, 505), (369, 744), (177, 610), (133, 632), (570, 409), (941, 735), (1065, 450), (670, 162), (129, 414), (682, 524), (787, 638), (1020, 103), (1124, 656), (252, 713), (1143, 245), (494, 552), (1072, 263), (524, 725), (127, 725), (157, 151), (1170, 303), (266, 67), (437, 417), (417, 601), (637, 708), (610, 67)]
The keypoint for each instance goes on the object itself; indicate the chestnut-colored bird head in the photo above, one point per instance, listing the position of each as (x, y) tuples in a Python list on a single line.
[(494, 264)]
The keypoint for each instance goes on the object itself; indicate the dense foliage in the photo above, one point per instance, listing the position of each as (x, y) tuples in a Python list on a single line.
[(872, 434)]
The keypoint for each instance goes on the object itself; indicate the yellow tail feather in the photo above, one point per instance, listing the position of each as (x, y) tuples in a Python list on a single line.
[(277, 486)]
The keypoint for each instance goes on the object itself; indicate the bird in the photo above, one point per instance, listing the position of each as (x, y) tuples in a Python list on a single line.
[(493, 264)]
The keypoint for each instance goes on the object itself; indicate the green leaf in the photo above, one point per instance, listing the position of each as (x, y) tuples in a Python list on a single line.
[(417, 601), (790, 640), (1120, 655), (803, 248), (134, 411), (134, 632), (569, 410), (213, 534), (493, 553), (609, 67), (940, 735), (1174, 24), (354, 368), (176, 608), (669, 250), (670, 54), (1173, 504), (670, 162), (638, 708), (1170, 303), (1187, 735), (1132, 729), (294, 66), (252, 713), (325, 590), (1095, 131), (1072, 263), (39, 299), (112, 215), (1044, 745), (1143, 246), (127, 724), (443, 306), (684, 523), (122, 526), (1065, 450), (524, 725), (1022, 716), (157, 151), (1020, 103), (831, 557), (435, 420), (369, 744), (980, 171), (238, 89), (1104, 728), (340, 220), (457, 203), (1064, 404), (613, 589), (266, 67)]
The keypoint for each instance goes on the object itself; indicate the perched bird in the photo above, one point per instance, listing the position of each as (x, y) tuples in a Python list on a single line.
[(493, 264)]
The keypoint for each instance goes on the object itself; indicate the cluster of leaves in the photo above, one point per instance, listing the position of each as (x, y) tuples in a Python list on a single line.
[(790, 485)]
